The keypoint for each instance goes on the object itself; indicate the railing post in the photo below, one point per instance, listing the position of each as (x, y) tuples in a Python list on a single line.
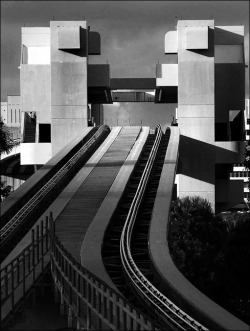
[(104, 302), (12, 288), (42, 254), (47, 233), (56, 294), (70, 318), (131, 319), (99, 305), (110, 308), (62, 312), (137, 324), (33, 262), (37, 244), (124, 316), (88, 318), (24, 276), (52, 223), (117, 313), (6, 282)]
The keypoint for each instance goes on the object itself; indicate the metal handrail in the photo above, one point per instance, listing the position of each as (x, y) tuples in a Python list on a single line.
[(93, 292), (33, 202), (21, 272), (145, 287)]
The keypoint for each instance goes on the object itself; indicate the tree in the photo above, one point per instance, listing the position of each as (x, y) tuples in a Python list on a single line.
[(4, 190), (212, 253), (6, 145), (6, 142)]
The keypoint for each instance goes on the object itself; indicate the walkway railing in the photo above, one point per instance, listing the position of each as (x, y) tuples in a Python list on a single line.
[(19, 277), (88, 300)]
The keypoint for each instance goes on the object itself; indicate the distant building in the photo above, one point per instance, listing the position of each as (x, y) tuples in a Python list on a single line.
[(11, 111), (11, 116), (4, 115), (239, 171), (14, 111)]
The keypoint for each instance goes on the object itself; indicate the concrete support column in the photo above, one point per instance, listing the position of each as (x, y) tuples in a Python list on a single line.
[(56, 294), (88, 318), (62, 305), (70, 318)]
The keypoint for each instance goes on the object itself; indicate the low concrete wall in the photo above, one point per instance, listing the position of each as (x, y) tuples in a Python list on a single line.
[(173, 284)]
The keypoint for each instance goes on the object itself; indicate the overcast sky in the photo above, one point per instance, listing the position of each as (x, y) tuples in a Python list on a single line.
[(132, 34)]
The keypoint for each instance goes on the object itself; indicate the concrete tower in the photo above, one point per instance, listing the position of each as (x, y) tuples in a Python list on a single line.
[(208, 68), (58, 87)]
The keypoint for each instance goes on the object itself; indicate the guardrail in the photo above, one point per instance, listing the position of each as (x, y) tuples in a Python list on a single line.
[(20, 276), (174, 316), (89, 302), (10, 227)]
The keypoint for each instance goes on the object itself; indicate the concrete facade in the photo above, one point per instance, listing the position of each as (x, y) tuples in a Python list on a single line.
[(210, 90), (68, 81), (204, 73), (54, 87)]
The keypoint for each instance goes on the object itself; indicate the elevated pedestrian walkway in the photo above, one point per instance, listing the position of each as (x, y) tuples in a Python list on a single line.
[(74, 220)]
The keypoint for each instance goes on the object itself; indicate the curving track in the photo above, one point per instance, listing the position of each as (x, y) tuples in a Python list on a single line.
[(128, 251)]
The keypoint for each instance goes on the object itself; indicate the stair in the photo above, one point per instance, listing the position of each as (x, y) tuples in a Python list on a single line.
[(30, 132)]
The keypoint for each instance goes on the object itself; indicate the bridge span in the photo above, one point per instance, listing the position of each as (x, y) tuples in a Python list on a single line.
[(92, 212)]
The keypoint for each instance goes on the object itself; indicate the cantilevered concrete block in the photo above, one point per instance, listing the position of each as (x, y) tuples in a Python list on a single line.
[(197, 37), (69, 37), (171, 42)]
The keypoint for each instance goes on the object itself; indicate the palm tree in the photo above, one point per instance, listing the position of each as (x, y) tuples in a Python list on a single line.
[(6, 145), (6, 142)]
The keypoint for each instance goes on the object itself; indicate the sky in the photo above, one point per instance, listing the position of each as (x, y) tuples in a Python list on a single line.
[(132, 39)]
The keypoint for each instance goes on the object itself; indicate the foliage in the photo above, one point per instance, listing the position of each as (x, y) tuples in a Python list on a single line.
[(6, 142), (212, 253), (4, 191), (6, 145)]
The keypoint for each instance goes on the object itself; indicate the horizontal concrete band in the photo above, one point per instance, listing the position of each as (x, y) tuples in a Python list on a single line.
[(172, 282), (91, 257)]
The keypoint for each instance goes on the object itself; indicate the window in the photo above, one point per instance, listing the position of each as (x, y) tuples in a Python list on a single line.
[(44, 133)]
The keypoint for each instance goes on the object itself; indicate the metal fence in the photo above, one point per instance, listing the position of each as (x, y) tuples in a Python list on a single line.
[(89, 302), (20, 276)]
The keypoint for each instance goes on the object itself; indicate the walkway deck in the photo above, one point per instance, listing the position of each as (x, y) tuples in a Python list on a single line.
[(73, 222), (91, 256)]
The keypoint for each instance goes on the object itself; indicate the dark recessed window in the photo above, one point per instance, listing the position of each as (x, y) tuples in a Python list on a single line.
[(44, 133)]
